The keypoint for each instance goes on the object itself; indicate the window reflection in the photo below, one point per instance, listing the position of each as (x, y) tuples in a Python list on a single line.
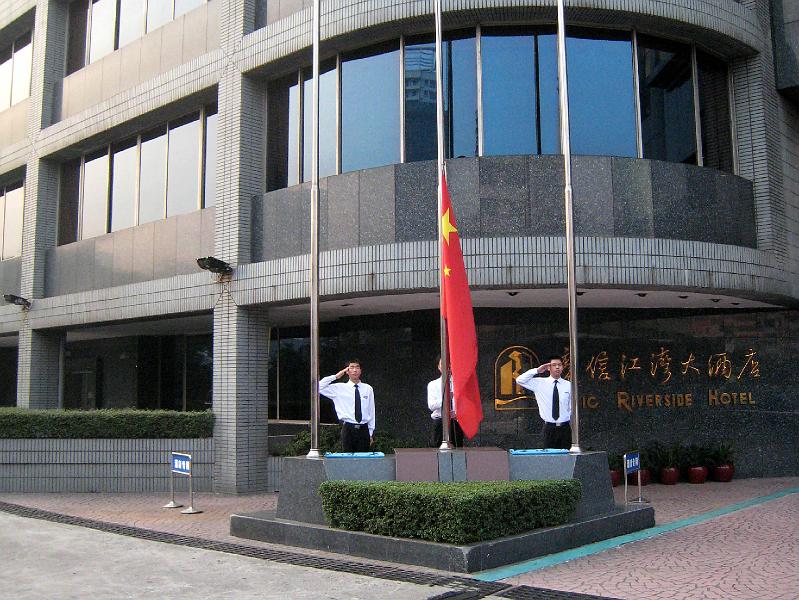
[(509, 96), (420, 102), (293, 172), (370, 120), (132, 19), (667, 102), (601, 100), (327, 121), (184, 6), (152, 179), (183, 175), (6, 69), (209, 193), (103, 28), (460, 94), (123, 186), (94, 210), (21, 77), (158, 13), (12, 225), (714, 112), (548, 100)]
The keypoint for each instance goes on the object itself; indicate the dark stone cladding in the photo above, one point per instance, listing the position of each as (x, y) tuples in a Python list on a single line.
[(511, 196)]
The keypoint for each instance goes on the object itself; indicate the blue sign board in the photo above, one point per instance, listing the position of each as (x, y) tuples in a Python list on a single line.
[(632, 462), (181, 463)]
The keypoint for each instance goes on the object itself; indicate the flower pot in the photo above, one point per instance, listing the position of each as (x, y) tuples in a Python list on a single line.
[(632, 478), (697, 474), (615, 477), (669, 475), (723, 472)]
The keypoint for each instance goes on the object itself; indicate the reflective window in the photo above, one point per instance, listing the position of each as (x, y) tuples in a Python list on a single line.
[(124, 162), (209, 193), (509, 98), (327, 121), (184, 6), (420, 102), (183, 176), (601, 99), (714, 112), (278, 142), (548, 134), (152, 179), (460, 95), (23, 61), (370, 119), (6, 69), (94, 211), (103, 29), (667, 100), (159, 13), (294, 134), (132, 19), (12, 222)]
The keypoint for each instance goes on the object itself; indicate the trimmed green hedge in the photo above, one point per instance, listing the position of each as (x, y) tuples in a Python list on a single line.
[(454, 513), (115, 423)]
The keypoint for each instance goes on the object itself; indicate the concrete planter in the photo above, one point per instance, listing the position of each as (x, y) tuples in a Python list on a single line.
[(101, 465)]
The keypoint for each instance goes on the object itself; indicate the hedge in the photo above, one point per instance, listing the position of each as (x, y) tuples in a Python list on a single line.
[(330, 441), (112, 423), (454, 513)]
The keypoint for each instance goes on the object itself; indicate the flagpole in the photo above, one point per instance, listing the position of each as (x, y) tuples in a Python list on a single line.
[(571, 278), (446, 443), (314, 257)]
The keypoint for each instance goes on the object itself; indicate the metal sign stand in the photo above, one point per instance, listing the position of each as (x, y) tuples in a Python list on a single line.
[(632, 464), (181, 464)]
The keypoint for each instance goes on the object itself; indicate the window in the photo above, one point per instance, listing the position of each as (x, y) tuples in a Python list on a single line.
[(12, 200), (15, 71), (327, 121), (714, 112), (158, 174)]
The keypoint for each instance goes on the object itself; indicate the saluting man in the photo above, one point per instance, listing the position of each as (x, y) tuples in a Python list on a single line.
[(554, 397), (355, 406)]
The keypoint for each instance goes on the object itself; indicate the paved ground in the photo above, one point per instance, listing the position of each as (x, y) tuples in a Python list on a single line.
[(751, 553)]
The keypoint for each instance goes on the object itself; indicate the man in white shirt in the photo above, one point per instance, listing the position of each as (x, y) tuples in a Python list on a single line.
[(553, 395), (434, 398), (354, 402)]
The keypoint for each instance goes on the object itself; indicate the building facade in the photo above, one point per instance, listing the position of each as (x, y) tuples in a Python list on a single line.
[(136, 137)]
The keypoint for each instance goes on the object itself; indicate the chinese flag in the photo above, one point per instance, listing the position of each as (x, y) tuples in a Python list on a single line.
[(456, 307)]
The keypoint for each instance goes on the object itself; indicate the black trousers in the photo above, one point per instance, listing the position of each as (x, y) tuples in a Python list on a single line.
[(354, 439), (557, 437), (455, 433)]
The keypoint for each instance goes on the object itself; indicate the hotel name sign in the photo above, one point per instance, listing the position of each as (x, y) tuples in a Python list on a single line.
[(658, 369)]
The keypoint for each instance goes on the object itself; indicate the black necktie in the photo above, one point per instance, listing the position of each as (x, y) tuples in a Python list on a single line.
[(357, 404), (555, 403)]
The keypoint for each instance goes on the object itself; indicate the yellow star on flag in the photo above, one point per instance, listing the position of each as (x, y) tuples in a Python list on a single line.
[(447, 271), (447, 227)]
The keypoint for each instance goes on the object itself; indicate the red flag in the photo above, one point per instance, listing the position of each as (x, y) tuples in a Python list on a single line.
[(456, 307)]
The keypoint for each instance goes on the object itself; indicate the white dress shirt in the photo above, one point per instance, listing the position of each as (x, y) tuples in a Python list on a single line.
[(543, 387), (343, 397), (434, 399)]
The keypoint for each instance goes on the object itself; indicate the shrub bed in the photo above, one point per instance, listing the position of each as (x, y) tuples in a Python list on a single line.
[(453, 513), (20, 423)]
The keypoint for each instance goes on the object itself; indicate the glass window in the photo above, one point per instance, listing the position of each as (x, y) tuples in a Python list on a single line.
[(509, 98), (420, 102), (12, 223), (714, 112), (601, 98), (6, 71), (370, 120), (76, 40), (199, 372), (69, 202), (158, 13), (21, 77), (294, 134), (132, 19), (667, 100), (277, 127), (152, 177), (183, 177), (327, 121), (209, 192), (94, 211), (548, 100), (184, 6), (103, 29), (460, 95), (123, 185), (2, 219)]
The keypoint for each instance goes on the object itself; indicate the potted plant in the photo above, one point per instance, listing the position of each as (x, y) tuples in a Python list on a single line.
[(669, 470), (616, 469), (722, 467), (693, 464)]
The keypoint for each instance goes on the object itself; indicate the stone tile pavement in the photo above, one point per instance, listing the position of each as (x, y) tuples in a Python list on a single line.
[(751, 553)]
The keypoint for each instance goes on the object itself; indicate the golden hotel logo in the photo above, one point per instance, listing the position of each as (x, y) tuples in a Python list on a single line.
[(510, 363)]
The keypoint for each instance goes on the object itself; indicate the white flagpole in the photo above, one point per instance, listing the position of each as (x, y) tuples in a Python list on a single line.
[(314, 266), (446, 443), (570, 257)]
